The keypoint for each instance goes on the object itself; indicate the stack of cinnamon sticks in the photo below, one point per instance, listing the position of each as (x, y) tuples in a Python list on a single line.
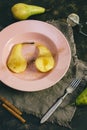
[(12, 109)]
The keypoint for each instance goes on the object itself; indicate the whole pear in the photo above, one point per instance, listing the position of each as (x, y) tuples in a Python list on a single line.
[(22, 11)]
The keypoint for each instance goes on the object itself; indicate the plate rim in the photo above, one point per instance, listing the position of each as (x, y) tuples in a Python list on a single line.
[(51, 83)]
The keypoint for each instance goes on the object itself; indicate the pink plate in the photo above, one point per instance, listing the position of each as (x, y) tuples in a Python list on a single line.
[(38, 32)]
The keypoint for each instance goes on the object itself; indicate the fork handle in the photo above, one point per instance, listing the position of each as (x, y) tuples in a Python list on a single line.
[(52, 109)]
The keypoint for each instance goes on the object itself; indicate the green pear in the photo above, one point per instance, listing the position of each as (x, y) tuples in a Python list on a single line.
[(22, 11), (16, 62), (82, 98)]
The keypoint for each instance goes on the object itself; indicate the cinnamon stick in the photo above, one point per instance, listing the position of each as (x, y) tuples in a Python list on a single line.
[(14, 113), (4, 100)]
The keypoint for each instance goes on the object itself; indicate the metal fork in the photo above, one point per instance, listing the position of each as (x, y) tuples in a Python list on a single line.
[(73, 85)]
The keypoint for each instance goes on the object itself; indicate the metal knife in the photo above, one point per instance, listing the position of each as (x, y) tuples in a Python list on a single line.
[(51, 110)]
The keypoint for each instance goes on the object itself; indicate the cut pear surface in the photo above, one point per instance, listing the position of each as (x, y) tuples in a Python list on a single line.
[(45, 63)]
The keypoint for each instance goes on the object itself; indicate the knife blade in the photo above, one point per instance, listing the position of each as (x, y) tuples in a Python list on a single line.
[(51, 110)]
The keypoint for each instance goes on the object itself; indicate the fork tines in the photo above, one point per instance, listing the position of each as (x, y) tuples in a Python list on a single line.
[(75, 83)]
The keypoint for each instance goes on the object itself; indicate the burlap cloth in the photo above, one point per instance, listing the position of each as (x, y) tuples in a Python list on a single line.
[(37, 103)]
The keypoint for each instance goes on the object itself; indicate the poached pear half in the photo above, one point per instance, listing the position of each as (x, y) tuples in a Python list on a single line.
[(16, 62), (45, 60)]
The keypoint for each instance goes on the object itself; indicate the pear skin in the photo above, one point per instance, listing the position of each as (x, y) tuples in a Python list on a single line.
[(82, 98), (22, 11), (16, 62), (43, 50)]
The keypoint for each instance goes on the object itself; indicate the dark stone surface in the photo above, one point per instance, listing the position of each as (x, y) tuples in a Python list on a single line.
[(57, 10)]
